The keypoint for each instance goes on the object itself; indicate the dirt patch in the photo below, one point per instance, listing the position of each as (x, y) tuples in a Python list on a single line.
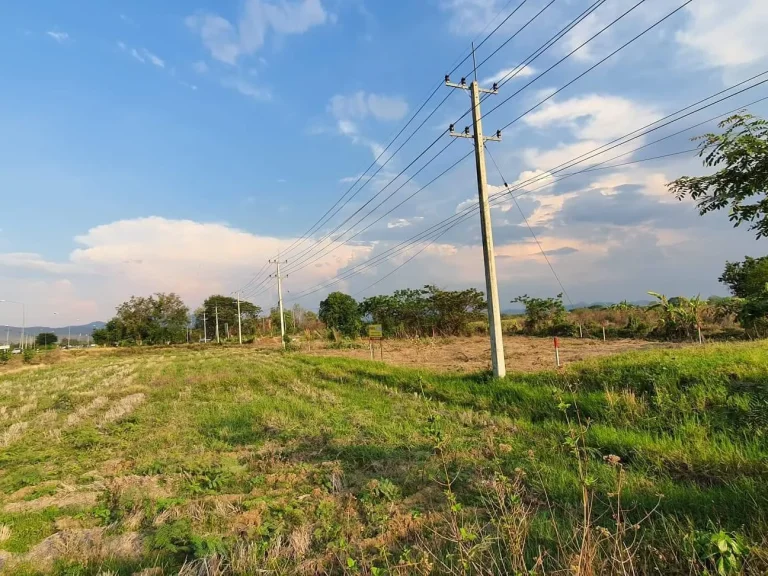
[(472, 354), (22, 493), (69, 500), (85, 545), (143, 486)]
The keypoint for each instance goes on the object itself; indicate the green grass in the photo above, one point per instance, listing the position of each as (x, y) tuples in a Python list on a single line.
[(274, 461)]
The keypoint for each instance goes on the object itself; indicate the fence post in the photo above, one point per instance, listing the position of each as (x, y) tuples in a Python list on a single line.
[(581, 334), (603, 333), (557, 352)]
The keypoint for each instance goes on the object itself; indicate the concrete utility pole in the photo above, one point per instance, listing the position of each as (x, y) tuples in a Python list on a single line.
[(491, 286), (216, 311), (205, 330), (280, 297), (239, 321)]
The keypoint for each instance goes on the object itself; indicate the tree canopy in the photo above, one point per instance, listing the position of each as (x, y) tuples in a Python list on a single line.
[(227, 312), (741, 183), (152, 320), (420, 311), (747, 279), (46, 338), (341, 312)]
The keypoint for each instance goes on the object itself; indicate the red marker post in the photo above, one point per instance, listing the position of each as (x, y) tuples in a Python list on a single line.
[(557, 352)]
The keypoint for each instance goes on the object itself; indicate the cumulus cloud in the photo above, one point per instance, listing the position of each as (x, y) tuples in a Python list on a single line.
[(146, 255), (722, 35), (229, 42), (594, 116)]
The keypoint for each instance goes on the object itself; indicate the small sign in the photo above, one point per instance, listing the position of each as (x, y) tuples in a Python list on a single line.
[(4, 347), (375, 332)]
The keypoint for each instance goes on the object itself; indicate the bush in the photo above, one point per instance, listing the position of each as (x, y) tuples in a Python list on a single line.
[(5, 355), (28, 355)]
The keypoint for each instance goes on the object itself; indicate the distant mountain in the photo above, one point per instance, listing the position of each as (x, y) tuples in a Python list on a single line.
[(61, 332)]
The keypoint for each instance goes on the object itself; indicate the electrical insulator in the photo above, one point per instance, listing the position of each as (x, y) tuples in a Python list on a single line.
[(495, 87), (451, 128), (466, 130), (447, 78), (463, 81), (498, 133)]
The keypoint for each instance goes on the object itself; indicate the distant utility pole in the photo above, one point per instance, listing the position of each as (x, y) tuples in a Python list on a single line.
[(205, 330), (239, 321), (216, 311), (280, 297), (491, 286)]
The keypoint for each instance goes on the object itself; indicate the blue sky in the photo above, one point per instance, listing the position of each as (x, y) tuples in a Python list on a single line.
[(176, 146)]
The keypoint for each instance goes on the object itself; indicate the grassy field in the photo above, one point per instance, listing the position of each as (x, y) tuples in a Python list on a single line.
[(235, 461)]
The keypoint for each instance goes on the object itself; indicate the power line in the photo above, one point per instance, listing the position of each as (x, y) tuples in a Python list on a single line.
[(530, 229), (301, 260), (598, 63), (323, 218), (297, 258), (458, 218)]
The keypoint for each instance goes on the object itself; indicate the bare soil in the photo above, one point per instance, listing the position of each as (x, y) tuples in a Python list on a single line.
[(471, 354)]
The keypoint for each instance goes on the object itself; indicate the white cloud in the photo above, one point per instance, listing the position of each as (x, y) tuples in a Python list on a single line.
[(32, 261), (723, 35), (228, 43), (387, 107), (347, 110), (595, 117), (468, 17), (404, 222), (147, 255), (247, 89), (154, 59), (139, 57), (361, 105), (523, 72), (60, 37)]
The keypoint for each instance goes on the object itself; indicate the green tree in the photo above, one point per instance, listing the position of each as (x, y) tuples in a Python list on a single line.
[(742, 181), (542, 314), (341, 311), (453, 310), (153, 320), (113, 333), (227, 311), (746, 279), (46, 338)]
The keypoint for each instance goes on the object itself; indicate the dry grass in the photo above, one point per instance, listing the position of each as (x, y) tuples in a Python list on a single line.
[(470, 354), (122, 408)]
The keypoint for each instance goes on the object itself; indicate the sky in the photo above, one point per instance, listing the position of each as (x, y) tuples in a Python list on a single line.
[(179, 145)]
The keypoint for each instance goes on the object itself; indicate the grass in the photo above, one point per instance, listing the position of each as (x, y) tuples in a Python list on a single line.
[(234, 461)]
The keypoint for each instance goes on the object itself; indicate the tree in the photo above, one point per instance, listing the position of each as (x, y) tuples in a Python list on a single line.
[(113, 333), (155, 319), (747, 279), (542, 313), (341, 312), (742, 182), (46, 338), (227, 311)]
